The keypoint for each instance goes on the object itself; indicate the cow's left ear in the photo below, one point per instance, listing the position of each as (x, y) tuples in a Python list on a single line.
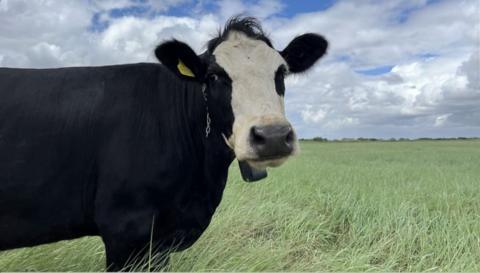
[(304, 51), (181, 60)]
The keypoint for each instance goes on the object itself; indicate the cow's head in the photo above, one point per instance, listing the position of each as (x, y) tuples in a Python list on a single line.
[(244, 79)]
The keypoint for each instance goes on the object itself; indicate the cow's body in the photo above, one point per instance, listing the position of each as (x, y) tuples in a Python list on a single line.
[(96, 151), (139, 153)]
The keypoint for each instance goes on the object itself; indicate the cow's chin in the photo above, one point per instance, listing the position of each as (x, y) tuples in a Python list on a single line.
[(262, 164)]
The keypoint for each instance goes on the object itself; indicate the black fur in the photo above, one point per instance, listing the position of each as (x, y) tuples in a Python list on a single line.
[(304, 51), (109, 151), (280, 81)]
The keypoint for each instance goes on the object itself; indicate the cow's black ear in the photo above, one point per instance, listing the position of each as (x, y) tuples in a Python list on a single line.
[(181, 59), (304, 51)]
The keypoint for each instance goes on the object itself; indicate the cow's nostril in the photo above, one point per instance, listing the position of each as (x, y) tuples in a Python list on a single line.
[(257, 136), (290, 137)]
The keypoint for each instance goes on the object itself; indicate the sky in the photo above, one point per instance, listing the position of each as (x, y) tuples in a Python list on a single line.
[(396, 68)]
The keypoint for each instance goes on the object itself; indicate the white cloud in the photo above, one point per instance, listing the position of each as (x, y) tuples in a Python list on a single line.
[(315, 116), (266, 8), (163, 5), (260, 9), (131, 39), (440, 120), (471, 69), (110, 4), (230, 7), (154, 5)]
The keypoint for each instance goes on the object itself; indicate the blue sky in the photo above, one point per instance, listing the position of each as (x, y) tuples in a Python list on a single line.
[(397, 68), (291, 8)]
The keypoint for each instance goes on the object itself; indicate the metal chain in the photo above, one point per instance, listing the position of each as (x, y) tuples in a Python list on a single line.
[(207, 128)]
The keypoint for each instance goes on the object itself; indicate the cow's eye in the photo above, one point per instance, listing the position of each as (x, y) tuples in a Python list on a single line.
[(213, 77), (279, 80)]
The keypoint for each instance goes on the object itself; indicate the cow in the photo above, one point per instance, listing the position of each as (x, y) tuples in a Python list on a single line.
[(138, 154)]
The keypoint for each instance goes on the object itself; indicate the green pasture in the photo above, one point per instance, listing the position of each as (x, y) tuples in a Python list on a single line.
[(359, 206)]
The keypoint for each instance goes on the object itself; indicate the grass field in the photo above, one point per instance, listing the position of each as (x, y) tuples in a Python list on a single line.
[(371, 206)]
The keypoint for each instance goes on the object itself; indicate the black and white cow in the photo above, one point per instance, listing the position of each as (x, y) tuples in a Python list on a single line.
[(139, 153)]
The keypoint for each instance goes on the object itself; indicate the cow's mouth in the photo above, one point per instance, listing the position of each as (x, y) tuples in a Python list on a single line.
[(267, 162), (267, 159), (256, 169)]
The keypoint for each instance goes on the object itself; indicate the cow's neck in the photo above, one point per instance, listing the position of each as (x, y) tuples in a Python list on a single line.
[(216, 164), (210, 149)]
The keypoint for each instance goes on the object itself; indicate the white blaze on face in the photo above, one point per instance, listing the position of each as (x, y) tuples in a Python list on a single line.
[(251, 64)]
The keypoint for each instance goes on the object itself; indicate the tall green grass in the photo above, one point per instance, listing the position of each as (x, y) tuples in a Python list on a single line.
[(371, 206)]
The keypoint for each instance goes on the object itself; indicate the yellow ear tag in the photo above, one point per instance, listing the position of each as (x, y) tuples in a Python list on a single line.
[(184, 70)]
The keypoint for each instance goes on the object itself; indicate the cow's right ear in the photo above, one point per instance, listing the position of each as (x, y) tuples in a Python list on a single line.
[(181, 60)]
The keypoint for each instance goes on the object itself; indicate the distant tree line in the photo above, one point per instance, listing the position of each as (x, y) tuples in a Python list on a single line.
[(363, 139)]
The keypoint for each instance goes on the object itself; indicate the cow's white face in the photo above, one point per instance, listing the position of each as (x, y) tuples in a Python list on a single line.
[(243, 77), (256, 101)]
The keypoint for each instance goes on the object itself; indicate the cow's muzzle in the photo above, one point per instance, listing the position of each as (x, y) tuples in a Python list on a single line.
[(272, 141)]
